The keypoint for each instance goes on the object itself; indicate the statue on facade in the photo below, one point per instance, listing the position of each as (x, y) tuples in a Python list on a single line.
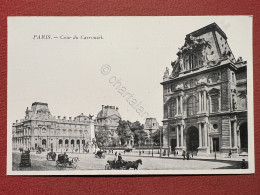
[(239, 59), (205, 59), (166, 73), (90, 116)]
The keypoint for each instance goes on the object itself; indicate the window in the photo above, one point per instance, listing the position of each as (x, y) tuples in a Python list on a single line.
[(193, 61), (214, 103), (172, 110), (192, 106), (233, 77)]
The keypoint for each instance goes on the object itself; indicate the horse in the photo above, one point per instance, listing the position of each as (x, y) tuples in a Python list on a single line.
[(51, 155), (133, 164), (73, 161)]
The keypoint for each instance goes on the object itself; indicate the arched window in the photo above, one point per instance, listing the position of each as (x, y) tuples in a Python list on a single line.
[(72, 142), (192, 106), (193, 62)]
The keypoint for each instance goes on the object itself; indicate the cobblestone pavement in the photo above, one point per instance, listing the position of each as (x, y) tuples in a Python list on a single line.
[(89, 162)]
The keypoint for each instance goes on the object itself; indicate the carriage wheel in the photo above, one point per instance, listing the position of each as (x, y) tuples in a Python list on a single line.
[(108, 167)]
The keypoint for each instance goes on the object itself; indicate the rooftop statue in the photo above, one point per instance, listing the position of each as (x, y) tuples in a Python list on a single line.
[(166, 73)]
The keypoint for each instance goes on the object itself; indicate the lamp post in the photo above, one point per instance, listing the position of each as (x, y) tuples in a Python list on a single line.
[(215, 144), (151, 141), (160, 143)]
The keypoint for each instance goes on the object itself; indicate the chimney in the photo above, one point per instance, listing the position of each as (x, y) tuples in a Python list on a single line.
[(16, 121), (58, 117), (70, 118), (64, 117)]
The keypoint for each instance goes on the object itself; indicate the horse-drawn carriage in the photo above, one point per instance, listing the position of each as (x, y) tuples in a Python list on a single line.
[(128, 150), (51, 156), (65, 161), (39, 150), (25, 159), (122, 165), (100, 154)]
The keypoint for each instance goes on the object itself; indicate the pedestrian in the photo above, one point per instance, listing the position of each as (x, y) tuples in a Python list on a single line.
[(112, 151), (188, 155), (177, 153), (116, 153), (229, 154), (183, 154), (243, 164), (124, 151), (140, 153)]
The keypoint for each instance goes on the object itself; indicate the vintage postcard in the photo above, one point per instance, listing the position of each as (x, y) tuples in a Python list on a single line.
[(130, 95)]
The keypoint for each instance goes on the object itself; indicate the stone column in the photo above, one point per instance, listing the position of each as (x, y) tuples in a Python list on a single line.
[(199, 102), (177, 106), (181, 135), (200, 138), (219, 102), (211, 144), (206, 134), (177, 132), (235, 133), (210, 107), (181, 104), (205, 101)]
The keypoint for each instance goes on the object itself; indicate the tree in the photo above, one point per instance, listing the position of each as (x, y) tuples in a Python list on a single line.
[(124, 131), (156, 136), (136, 126), (140, 136), (102, 136)]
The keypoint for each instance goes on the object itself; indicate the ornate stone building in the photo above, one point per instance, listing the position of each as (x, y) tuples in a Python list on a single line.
[(151, 125), (108, 119), (205, 96), (40, 128)]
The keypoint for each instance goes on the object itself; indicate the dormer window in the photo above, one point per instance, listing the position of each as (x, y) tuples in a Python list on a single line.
[(193, 62)]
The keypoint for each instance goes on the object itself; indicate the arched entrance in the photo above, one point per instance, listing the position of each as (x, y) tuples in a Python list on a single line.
[(192, 139), (44, 143), (72, 143), (243, 137), (60, 142), (66, 143)]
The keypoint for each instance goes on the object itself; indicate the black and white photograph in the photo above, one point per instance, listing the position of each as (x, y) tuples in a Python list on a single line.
[(139, 95)]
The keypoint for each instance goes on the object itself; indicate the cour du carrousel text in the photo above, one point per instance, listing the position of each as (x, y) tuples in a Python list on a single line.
[(66, 37)]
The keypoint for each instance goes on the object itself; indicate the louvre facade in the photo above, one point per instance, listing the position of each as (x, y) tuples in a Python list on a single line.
[(205, 96), (40, 128)]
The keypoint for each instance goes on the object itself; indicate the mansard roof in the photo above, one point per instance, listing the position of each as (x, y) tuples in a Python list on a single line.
[(208, 28)]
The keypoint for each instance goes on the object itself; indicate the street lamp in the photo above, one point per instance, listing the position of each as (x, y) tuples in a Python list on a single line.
[(215, 144), (160, 143)]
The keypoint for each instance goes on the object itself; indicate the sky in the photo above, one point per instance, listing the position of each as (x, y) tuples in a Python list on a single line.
[(77, 76)]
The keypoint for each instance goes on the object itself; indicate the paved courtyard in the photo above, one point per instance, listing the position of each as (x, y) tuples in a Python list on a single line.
[(89, 162)]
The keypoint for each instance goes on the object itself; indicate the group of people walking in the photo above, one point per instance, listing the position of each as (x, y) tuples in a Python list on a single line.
[(187, 155)]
